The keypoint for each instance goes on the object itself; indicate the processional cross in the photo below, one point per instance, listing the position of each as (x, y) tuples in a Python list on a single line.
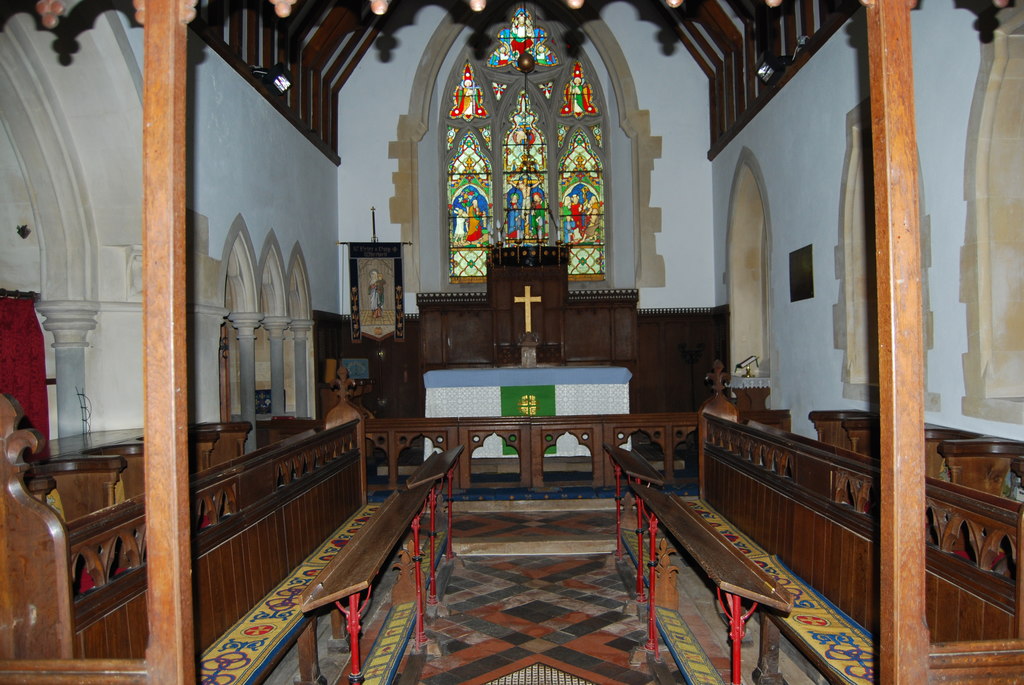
[(527, 301)]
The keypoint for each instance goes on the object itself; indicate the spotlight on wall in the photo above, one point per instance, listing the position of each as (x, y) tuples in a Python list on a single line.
[(276, 77), (771, 67)]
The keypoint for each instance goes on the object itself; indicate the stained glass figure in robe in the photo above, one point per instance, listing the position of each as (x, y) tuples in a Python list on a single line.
[(581, 195), (469, 211), (526, 172), (579, 95), (468, 97), (520, 36)]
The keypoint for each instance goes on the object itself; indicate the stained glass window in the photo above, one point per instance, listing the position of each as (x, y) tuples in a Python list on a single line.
[(528, 164), (579, 95), (468, 97), (525, 167), (469, 211), (521, 35), (581, 198)]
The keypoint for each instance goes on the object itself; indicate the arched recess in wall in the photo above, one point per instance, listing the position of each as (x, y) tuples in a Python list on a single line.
[(991, 280), (405, 206), (299, 356), (855, 315), (238, 276), (749, 265), (273, 302), (48, 155)]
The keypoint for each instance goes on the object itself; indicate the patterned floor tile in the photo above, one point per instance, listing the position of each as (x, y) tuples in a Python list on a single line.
[(524, 611)]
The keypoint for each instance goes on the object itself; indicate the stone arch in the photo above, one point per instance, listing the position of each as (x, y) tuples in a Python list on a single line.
[(855, 315), (238, 269), (991, 281), (299, 295), (273, 293), (645, 148), (749, 264), (36, 122)]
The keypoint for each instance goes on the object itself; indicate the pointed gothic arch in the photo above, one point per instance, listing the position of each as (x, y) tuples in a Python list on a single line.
[(993, 252), (273, 293), (636, 250), (749, 265)]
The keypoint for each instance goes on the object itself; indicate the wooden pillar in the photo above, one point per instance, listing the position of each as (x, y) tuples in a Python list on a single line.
[(170, 653), (903, 650)]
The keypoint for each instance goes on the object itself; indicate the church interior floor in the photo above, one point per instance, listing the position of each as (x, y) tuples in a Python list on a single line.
[(535, 597)]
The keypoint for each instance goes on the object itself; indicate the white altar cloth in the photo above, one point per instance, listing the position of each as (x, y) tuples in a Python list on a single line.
[(478, 392)]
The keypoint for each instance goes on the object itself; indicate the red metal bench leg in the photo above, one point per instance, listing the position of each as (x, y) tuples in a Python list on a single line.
[(417, 558), (353, 621), (640, 595), (733, 608), (652, 632), (449, 551), (618, 511), (432, 596)]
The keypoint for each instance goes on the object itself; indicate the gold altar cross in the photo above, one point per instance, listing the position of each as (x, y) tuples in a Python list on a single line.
[(527, 301)]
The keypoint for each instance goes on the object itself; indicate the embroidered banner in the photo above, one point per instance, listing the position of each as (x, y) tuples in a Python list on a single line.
[(375, 291)]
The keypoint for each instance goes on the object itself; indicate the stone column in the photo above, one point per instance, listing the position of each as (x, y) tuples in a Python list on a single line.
[(204, 362), (275, 327), (300, 332), (70, 322), (245, 324)]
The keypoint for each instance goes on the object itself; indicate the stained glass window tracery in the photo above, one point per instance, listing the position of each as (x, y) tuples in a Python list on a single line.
[(521, 35), (469, 211), (529, 166)]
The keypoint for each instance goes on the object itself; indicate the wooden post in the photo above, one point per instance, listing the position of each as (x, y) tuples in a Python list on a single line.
[(903, 651), (170, 653)]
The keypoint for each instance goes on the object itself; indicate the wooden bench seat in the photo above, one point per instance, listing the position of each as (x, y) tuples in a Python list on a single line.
[(841, 649), (248, 651)]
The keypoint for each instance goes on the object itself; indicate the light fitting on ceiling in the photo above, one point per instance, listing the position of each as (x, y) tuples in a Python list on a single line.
[(574, 4), (379, 7), (478, 5), (674, 3), (276, 78)]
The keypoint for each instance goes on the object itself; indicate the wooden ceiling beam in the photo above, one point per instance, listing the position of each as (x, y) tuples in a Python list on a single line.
[(325, 40)]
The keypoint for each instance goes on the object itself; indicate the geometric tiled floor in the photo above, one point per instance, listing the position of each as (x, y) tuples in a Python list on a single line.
[(544, 526), (569, 614)]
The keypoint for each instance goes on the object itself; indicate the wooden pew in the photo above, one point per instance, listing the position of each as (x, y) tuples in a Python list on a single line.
[(85, 483), (213, 444), (730, 571), (819, 516), (255, 518), (353, 570), (982, 463)]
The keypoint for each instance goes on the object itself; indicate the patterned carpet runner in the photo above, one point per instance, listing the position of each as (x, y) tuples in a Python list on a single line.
[(251, 646), (846, 646)]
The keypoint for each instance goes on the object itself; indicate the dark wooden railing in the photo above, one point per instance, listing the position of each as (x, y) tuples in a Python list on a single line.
[(530, 436)]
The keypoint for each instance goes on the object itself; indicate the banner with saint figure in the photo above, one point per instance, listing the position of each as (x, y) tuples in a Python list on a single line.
[(375, 290)]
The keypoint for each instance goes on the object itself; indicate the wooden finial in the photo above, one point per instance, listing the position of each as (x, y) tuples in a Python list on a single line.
[(718, 376)]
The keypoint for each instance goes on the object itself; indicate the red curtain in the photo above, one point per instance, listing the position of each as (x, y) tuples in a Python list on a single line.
[(23, 363)]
